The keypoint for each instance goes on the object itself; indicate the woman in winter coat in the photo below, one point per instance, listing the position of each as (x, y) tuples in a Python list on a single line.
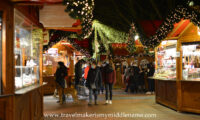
[(60, 75), (109, 79), (94, 82), (127, 78)]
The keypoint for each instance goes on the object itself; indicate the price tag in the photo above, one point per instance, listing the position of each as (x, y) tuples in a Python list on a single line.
[(177, 54)]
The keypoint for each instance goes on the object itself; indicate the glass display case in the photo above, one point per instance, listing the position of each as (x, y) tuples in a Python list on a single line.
[(26, 51), (166, 60), (191, 61)]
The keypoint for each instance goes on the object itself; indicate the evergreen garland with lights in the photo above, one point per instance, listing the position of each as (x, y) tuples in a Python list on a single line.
[(58, 35), (181, 12), (83, 10), (106, 35)]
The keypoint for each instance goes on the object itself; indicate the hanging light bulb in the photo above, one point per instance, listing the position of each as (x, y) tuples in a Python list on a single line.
[(136, 37), (198, 30), (191, 3)]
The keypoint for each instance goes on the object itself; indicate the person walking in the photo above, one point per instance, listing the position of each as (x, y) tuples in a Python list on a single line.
[(60, 75), (78, 73), (110, 79), (127, 78), (136, 77), (141, 80), (94, 82), (151, 70)]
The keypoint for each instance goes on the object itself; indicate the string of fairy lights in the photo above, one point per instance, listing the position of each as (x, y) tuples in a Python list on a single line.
[(83, 10), (181, 12), (58, 35)]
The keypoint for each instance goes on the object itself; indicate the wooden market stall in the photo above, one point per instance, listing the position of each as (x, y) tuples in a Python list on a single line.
[(64, 52), (177, 76), (21, 97)]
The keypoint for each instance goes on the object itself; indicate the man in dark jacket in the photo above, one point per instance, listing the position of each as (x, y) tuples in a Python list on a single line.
[(151, 70), (78, 72), (94, 82), (60, 75)]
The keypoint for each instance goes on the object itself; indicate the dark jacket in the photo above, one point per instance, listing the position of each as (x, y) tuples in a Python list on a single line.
[(94, 76), (60, 75), (151, 70), (109, 77), (102, 73), (78, 71)]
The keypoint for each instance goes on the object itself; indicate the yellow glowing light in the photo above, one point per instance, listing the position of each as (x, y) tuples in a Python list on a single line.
[(198, 30)]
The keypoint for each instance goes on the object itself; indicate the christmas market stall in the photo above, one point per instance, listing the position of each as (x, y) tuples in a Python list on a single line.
[(21, 96), (61, 51), (177, 76)]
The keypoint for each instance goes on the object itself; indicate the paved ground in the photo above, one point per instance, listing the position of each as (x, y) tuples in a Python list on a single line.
[(124, 107)]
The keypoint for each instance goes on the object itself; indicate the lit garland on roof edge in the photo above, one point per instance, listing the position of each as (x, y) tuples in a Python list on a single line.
[(83, 10), (60, 35), (180, 12)]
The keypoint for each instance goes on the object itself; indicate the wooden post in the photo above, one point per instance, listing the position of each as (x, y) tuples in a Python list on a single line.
[(179, 75), (7, 48)]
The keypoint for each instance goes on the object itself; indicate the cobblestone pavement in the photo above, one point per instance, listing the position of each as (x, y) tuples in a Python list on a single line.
[(124, 107)]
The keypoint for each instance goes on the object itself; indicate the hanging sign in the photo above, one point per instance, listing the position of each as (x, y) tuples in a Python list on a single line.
[(53, 51), (46, 37)]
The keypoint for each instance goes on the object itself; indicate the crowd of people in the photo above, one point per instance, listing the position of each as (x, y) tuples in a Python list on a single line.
[(134, 77), (97, 76), (101, 76)]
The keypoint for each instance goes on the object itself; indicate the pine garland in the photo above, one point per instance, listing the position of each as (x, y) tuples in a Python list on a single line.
[(180, 12), (83, 10)]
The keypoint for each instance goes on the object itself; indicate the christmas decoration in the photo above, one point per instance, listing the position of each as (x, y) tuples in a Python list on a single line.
[(83, 10), (181, 12), (108, 35), (114, 28), (57, 35), (102, 49), (131, 39)]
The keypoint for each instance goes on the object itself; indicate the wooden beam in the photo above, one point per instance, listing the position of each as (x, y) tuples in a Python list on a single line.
[(34, 3), (186, 28), (64, 28), (39, 1), (179, 25), (171, 38)]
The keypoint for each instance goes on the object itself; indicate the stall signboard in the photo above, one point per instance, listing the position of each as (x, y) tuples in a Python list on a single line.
[(53, 51), (198, 30), (46, 37)]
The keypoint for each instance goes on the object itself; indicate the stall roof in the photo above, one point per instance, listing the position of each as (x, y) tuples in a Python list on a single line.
[(37, 1)]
